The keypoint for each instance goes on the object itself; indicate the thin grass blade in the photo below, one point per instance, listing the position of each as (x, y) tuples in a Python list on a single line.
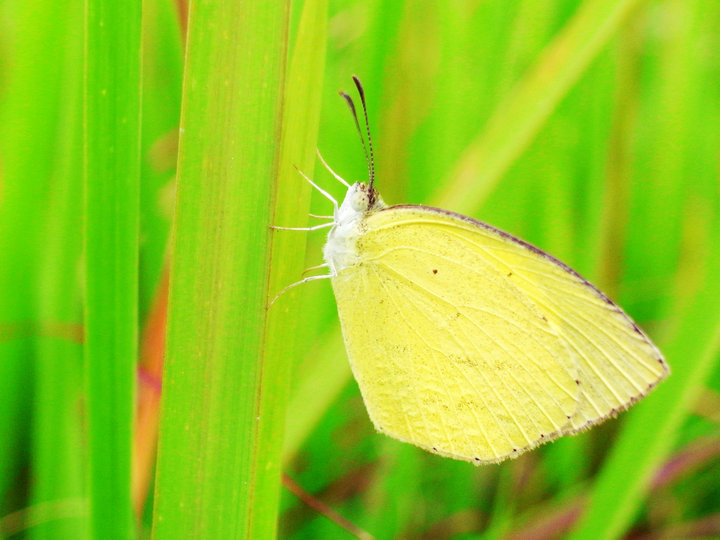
[(112, 171), (300, 129)]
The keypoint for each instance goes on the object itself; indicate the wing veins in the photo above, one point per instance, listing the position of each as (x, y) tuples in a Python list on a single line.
[(520, 428), (477, 392), (469, 269), (602, 348), (578, 330), (417, 396), (531, 442), (523, 251), (588, 362), (405, 414), (488, 312)]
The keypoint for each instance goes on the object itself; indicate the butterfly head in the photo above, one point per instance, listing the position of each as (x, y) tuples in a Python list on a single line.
[(360, 199)]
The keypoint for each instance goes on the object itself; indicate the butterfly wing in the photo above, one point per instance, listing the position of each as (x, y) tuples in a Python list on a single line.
[(617, 364), (472, 344), (447, 356)]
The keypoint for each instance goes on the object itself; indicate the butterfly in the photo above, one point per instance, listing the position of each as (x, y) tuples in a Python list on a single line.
[(467, 341)]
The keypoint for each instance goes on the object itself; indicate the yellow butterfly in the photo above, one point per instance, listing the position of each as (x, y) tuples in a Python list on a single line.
[(467, 341)]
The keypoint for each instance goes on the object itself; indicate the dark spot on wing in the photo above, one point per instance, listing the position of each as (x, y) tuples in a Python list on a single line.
[(542, 435), (635, 327), (509, 274), (577, 382), (434, 270)]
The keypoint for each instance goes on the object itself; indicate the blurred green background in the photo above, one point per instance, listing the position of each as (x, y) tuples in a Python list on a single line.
[(589, 128)]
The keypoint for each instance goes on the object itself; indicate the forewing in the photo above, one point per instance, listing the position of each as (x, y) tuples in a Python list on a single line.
[(617, 364), (446, 354)]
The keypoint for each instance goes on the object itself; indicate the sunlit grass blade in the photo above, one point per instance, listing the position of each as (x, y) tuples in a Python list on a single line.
[(310, 400), (112, 171), (162, 88), (58, 435), (299, 139), (520, 115), (615, 204), (214, 460), (33, 51)]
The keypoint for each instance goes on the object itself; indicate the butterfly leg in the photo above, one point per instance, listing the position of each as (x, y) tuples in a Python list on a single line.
[(321, 190), (336, 175), (315, 228), (325, 265), (305, 280)]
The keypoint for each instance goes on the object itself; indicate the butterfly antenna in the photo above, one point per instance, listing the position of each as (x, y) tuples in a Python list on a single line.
[(368, 156), (371, 161)]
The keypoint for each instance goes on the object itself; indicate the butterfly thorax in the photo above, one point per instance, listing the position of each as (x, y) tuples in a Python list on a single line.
[(340, 250)]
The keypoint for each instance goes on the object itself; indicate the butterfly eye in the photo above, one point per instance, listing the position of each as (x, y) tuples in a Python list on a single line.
[(360, 201)]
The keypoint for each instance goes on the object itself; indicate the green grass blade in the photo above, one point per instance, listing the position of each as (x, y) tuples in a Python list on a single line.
[(310, 400), (520, 115), (32, 42), (162, 90), (58, 467), (300, 129), (112, 168), (211, 465)]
